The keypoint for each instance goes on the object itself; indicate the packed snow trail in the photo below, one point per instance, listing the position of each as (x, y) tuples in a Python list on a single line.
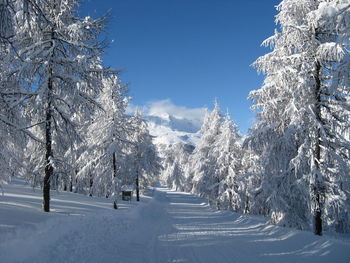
[(179, 227), (170, 227)]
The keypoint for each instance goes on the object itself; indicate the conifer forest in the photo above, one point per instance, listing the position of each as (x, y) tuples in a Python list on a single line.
[(66, 132)]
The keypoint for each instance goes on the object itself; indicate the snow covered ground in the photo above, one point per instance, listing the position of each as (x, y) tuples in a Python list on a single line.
[(166, 226)]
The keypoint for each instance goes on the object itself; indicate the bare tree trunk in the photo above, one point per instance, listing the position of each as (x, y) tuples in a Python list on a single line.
[(317, 151), (115, 206), (71, 182), (137, 174), (48, 137), (48, 149), (137, 185), (91, 183)]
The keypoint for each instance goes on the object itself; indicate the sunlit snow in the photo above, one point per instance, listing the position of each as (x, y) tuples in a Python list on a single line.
[(166, 226)]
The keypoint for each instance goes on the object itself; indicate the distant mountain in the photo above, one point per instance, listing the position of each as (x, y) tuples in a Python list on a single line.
[(168, 129)]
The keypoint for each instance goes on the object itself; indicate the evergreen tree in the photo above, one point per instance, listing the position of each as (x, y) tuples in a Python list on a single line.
[(175, 178), (13, 127), (59, 62), (304, 110), (175, 158), (205, 178), (228, 153), (106, 138), (143, 155)]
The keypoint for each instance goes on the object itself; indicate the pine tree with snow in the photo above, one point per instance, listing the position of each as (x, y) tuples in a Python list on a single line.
[(175, 159), (13, 127), (6, 22), (228, 153), (106, 141), (204, 176), (59, 60), (304, 113), (175, 177), (143, 156)]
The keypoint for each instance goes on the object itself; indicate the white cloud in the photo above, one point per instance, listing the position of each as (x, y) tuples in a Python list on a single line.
[(164, 108), (131, 109)]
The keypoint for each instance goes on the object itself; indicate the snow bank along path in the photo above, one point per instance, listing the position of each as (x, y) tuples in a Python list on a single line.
[(170, 227)]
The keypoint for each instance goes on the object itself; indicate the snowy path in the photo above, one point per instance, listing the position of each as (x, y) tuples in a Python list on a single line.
[(178, 227), (171, 227)]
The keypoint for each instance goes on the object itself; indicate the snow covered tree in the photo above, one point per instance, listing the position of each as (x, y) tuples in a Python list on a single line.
[(12, 126), (216, 161), (6, 22), (102, 162), (175, 178), (143, 155), (60, 62), (175, 158), (12, 98), (228, 152), (246, 192), (304, 111), (205, 178)]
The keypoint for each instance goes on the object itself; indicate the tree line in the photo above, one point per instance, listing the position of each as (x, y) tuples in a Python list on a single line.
[(62, 111), (63, 123), (293, 165)]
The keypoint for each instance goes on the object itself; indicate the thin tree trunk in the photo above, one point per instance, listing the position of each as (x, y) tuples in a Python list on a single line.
[(137, 174), (91, 182), (71, 183), (48, 138), (116, 194), (48, 149), (317, 152), (115, 206), (137, 185), (218, 205)]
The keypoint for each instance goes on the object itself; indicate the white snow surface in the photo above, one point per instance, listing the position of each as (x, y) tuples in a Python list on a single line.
[(166, 226)]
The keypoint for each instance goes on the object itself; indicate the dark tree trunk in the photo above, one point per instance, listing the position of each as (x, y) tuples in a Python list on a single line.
[(317, 152), (71, 183), (48, 150), (115, 206), (246, 209), (137, 185), (217, 188), (48, 137), (91, 182)]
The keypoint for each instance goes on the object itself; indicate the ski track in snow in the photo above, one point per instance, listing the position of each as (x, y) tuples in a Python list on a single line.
[(170, 227)]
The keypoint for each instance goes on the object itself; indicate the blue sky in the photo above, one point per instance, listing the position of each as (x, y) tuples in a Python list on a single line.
[(188, 52)]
